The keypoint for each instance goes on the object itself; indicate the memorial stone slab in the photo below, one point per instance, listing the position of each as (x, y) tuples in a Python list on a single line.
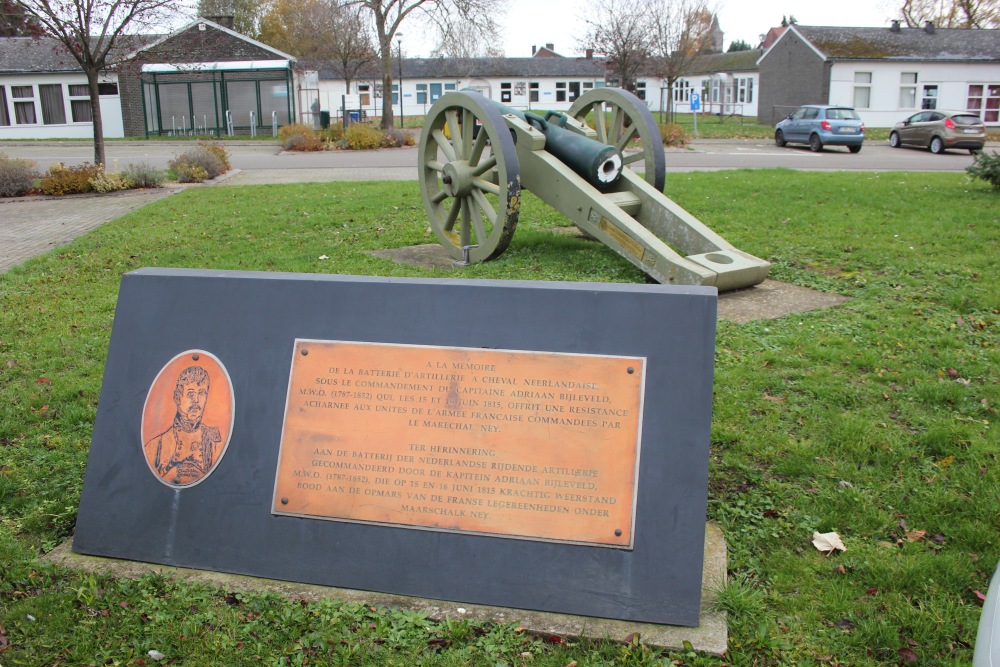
[(522, 444)]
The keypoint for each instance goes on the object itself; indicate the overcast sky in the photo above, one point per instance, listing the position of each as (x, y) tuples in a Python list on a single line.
[(537, 22)]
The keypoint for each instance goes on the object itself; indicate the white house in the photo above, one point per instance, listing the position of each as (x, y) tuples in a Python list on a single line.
[(44, 95), (522, 83), (886, 74)]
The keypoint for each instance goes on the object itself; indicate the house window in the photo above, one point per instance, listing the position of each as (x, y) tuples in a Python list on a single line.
[(24, 104), (533, 91), (421, 93), (560, 91), (862, 90), (53, 107), (908, 90), (364, 92), (505, 92), (4, 114), (107, 89), (984, 99), (587, 85), (929, 100), (745, 90), (640, 90), (395, 93), (79, 103), (449, 86)]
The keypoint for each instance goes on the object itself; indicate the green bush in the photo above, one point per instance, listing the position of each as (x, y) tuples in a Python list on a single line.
[(198, 164), (144, 175), (299, 137), (17, 176), (673, 135), (63, 180), (986, 167), (189, 173), (110, 181), (362, 137), (334, 133)]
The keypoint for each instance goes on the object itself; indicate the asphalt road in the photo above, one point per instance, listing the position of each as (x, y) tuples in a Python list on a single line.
[(706, 155)]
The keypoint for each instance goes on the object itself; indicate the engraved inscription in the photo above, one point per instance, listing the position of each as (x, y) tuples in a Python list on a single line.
[(518, 444)]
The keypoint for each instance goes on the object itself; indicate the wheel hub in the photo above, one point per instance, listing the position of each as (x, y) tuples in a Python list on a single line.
[(457, 178)]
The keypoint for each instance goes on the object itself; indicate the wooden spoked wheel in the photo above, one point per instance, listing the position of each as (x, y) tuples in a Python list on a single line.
[(618, 116), (469, 176)]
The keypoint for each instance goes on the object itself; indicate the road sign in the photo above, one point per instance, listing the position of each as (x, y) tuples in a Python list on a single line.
[(695, 102)]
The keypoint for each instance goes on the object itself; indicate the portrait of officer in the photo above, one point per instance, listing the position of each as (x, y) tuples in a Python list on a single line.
[(187, 450)]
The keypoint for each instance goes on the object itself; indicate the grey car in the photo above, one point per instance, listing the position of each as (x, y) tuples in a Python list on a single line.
[(820, 125), (940, 130)]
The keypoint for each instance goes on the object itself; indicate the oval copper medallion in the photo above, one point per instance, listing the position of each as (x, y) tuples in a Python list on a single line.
[(188, 419)]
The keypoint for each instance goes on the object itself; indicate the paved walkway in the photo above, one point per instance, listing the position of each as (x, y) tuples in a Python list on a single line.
[(32, 226)]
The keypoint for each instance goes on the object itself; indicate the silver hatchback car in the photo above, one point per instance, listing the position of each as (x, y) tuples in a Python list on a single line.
[(939, 130)]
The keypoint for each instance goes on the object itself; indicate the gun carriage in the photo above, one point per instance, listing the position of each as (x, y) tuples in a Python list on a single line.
[(477, 155)]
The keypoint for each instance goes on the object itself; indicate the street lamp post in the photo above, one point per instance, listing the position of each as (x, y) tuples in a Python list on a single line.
[(399, 47)]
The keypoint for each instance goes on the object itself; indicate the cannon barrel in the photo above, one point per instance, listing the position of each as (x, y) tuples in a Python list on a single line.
[(599, 164)]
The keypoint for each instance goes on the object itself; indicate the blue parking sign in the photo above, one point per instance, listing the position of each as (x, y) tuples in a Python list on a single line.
[(695, 102)]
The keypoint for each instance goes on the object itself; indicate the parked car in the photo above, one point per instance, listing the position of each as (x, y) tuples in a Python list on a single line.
[(940, 130), (821, 125)]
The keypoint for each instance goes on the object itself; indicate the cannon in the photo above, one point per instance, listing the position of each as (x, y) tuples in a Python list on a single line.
[(476, 156)]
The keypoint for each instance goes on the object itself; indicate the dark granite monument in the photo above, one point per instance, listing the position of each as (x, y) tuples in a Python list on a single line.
[(522, 444)]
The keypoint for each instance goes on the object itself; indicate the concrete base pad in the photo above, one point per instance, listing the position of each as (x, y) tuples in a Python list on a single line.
[(766, 301), (710, 636)]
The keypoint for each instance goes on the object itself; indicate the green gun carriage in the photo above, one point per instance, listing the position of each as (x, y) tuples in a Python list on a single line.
[(476, 156)]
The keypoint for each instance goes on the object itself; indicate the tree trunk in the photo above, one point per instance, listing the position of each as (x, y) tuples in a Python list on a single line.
[(387, 88), (95, 109)]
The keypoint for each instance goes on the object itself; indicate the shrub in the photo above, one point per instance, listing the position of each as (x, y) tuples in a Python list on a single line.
[(299, 137), (63, 180), (219, 151), (17, 176), (189, 173), (673, 135), (395, 137), (986, 167), (197, 165), (110, 181), (362, 136), (144, 175), (303, 142), (334, 133)]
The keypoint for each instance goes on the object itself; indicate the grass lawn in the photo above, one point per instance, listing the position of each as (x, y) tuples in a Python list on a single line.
[(876, 419)]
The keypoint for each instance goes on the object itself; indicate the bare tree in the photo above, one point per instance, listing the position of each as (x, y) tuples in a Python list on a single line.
[(457, 39), (388, 15), (350, 50), (98, 34), (951, 13), (681, 33), (15, 23), (622, 31), (246, 13)]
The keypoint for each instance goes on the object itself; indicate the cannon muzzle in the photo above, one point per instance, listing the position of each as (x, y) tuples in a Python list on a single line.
[(599, 164)]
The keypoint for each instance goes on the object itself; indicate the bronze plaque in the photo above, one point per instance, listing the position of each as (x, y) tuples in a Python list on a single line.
[(187, 419), (532, 445)]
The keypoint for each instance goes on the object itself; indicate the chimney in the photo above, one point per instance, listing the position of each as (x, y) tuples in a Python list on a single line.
[(929, 27), (533, 49), (224, 21), (590, 54), (550, 46), (895, 26)]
